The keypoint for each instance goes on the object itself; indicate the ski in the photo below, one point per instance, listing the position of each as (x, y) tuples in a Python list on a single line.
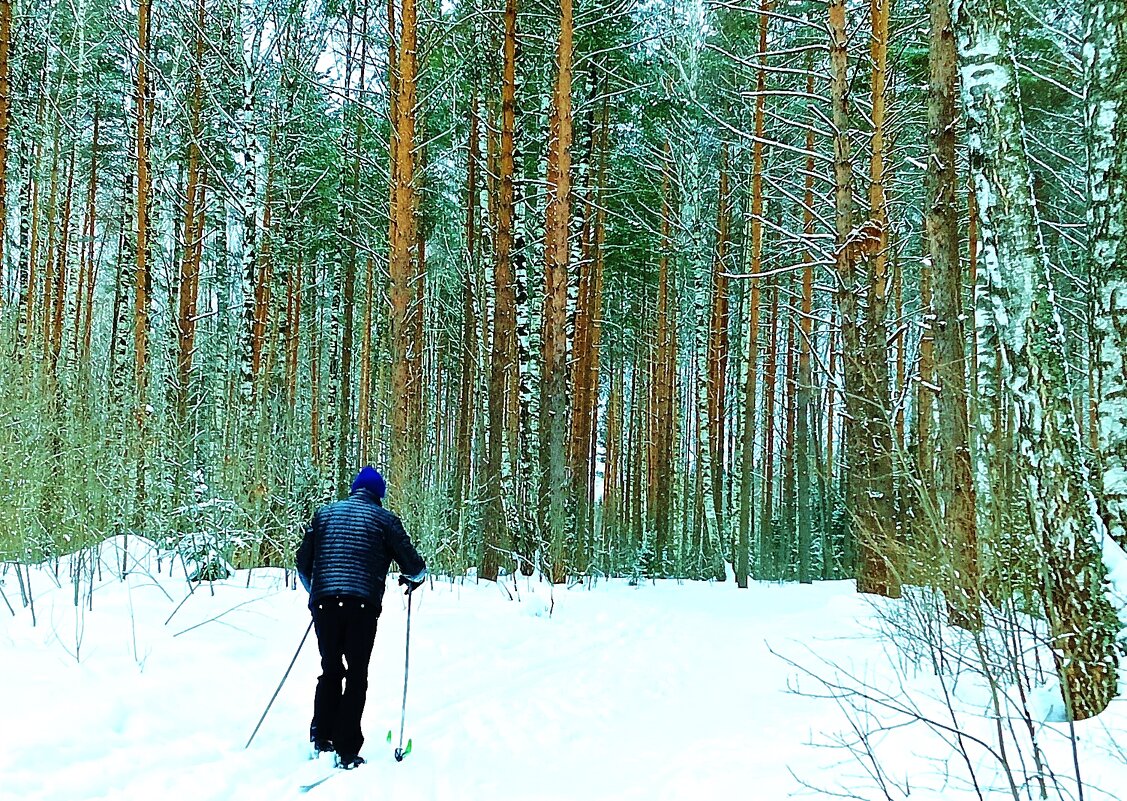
[(314, 756), (305, 788), (336, 768)]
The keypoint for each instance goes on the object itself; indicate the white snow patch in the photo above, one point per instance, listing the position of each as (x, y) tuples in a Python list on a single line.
[(1047, 703), (1116, 563), (661, 691)]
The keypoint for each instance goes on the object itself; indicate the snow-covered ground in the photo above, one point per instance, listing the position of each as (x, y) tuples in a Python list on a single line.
[(660, 691)]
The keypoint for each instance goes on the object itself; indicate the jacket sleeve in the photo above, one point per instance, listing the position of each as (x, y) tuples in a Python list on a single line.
[(306, 554), (410, 563)]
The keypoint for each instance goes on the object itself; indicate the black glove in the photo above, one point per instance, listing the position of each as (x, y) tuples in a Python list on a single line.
[(411, 586)]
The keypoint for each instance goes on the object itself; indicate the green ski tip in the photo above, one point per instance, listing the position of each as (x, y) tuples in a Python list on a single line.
[(389, 736), (407, 750)]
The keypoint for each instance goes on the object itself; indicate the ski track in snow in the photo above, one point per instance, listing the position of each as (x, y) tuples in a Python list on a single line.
[(661, 691)]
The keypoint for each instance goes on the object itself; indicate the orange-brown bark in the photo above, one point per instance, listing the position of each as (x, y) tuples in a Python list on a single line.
[(142, 280), (406, 285), (553, 405), (718, 342)]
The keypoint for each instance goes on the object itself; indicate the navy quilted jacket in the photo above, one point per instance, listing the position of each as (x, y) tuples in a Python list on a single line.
[(348, 549)]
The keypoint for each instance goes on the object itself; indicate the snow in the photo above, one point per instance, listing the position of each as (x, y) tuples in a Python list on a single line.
[(665, 690), (1115, 561)]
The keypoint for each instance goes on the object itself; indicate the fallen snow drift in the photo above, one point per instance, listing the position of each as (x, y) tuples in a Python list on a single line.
[(660, 691)]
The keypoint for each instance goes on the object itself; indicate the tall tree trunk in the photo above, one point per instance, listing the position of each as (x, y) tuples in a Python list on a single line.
[(404, 247), (626, 539), (421, 352), (599, 256), (580, 322), (747, 442), (263, 279), (62, 264), (88, 268), (706, 552), (1106, 129), (118, 344), (925, 397), (718, 346), (50, 251), (638, 409), (806, 330), (5, 111), (941, 222), (585, 358), (248, 180), (364, 409), (393, 143), (900, 347), (864, 355), (831, 412), (143, 279), (612, 483), (662, 366), (882, 576), (350, 231), (503, 358), (769, 566), (190, 263), (755, 249), (519, 465), (32, 287), (33, 245), (553, 394), (467, 346), (295, 288), (847, 300), (787, 480), (315, 449), (1019, 284)]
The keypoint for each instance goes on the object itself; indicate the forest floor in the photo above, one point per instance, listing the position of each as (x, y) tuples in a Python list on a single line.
[(667, 690)]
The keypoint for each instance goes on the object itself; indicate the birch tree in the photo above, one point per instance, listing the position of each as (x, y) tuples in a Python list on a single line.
[(1106, 132), (1022, 308)]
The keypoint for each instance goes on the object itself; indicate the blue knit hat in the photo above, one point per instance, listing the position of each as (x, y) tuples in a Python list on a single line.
[(370, 479)]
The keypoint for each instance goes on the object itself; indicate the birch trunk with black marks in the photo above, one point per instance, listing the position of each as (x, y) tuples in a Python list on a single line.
[(1020, 301), (1106, 129)]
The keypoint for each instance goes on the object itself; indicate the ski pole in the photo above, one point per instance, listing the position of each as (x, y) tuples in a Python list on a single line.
[(399, 752), (283, 681)]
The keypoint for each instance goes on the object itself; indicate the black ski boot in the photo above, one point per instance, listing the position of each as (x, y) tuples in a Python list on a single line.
[(320, 744), (348, 762)]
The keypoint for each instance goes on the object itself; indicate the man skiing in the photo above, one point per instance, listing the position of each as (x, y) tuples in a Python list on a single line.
[(343, 560)]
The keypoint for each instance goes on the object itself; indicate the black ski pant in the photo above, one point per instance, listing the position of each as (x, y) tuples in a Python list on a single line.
[(346, 632)]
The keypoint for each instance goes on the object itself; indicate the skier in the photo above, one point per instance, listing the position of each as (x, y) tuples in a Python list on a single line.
[(342, 562)]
